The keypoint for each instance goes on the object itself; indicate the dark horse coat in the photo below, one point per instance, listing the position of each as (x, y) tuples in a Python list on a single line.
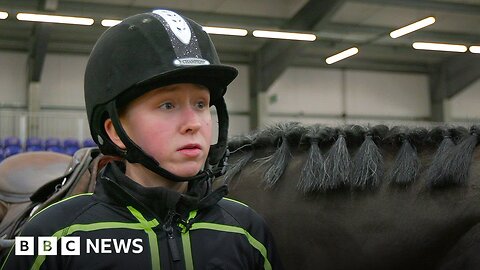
[(364, 197), (337, 198)]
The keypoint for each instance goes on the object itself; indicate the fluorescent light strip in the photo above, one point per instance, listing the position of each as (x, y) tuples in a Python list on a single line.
[(474, 49), (342, 55), (225, 31), (31, 17), (284, 35), (412, 27), (3, 15), (439, 47), (109, 23)]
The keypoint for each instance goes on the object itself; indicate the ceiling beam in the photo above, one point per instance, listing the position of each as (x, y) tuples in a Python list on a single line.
[(50, 5), (271, 60), (38, 50), (12, 5), (456, 7), (110, 11), (39, 42), (342, 29), (450, 78), (460, 72)]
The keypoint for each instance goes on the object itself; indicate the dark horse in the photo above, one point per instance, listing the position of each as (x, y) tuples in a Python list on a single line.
[(335, 198), (364, 197)]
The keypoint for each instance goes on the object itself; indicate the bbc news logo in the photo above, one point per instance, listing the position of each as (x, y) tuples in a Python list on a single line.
[(71, 245)]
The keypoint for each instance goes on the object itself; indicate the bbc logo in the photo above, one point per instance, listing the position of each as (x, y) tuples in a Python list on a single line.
[(25, 245)]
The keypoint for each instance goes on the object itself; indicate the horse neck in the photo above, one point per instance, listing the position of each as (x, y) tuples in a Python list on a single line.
[(361, 165)]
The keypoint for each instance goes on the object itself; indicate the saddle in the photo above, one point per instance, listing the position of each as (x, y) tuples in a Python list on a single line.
[(31, 181)]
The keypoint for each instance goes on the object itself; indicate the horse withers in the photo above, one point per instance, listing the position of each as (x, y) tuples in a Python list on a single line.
[(363, 197)]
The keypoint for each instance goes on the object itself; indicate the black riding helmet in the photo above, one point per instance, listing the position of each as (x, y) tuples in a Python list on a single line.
[(140, 54)]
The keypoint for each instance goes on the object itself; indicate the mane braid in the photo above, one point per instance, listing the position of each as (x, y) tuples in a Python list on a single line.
[(275, 163), (457, 163), (367, 165), (435, 174), (279, 136), (337, 166), (313, 171), (239, 142), (406, 165), (235, 168)]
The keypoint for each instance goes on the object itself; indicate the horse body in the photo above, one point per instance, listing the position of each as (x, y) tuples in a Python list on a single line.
[(334, 198), (411, 226)]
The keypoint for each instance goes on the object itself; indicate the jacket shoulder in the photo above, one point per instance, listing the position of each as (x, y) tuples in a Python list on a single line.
[(58, 215), (241, 213), (256, 231)]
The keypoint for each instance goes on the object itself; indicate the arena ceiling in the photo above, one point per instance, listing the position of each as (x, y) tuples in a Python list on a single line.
[(338, 25)]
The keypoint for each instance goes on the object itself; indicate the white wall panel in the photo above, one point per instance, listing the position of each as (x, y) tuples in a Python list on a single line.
[(304, 90), (307, 95), (387, 94), (466, 104), (13, 79), (237, 97), (238, 125), (62, 80)]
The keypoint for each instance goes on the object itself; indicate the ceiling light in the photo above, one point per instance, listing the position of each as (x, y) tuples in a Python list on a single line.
[(225, 31), (342, 55), (3, 15), (474, 49), (284, 35), (412, 27), (108, 23), (439, 47), (54, 19)]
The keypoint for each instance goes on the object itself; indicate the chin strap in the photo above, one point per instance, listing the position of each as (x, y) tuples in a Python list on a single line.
[(216, 161)]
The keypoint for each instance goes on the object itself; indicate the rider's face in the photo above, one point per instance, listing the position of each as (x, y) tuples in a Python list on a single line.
[(173, 125)]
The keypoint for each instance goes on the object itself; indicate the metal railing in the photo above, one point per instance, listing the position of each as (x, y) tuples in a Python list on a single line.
[(43, 124), (68, 124)]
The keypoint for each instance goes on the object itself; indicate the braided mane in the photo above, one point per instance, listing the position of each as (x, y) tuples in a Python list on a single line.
[(354, 157)]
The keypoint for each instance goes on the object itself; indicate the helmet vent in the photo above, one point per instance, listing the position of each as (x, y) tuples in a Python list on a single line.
[(177, 25)]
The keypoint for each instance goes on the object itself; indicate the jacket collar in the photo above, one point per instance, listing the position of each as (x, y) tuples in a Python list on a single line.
[(115, 187)]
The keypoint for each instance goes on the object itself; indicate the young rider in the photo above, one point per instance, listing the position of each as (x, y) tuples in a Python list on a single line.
[(149, 85)]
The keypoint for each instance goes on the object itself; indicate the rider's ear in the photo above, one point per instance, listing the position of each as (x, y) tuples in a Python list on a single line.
[(112, 133)]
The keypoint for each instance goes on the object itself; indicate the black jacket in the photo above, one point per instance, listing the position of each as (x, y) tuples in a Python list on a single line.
[(150, 228)]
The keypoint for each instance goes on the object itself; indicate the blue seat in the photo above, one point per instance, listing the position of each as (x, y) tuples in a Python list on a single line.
[(33, 141), (12, 150), (11, 141), (70, 146), (55, 148), (71, 150), (34, 148), (89, 143), (49, 142), (70, 142)]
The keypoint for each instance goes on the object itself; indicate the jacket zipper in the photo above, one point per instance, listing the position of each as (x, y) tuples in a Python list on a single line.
[(172, 242)]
